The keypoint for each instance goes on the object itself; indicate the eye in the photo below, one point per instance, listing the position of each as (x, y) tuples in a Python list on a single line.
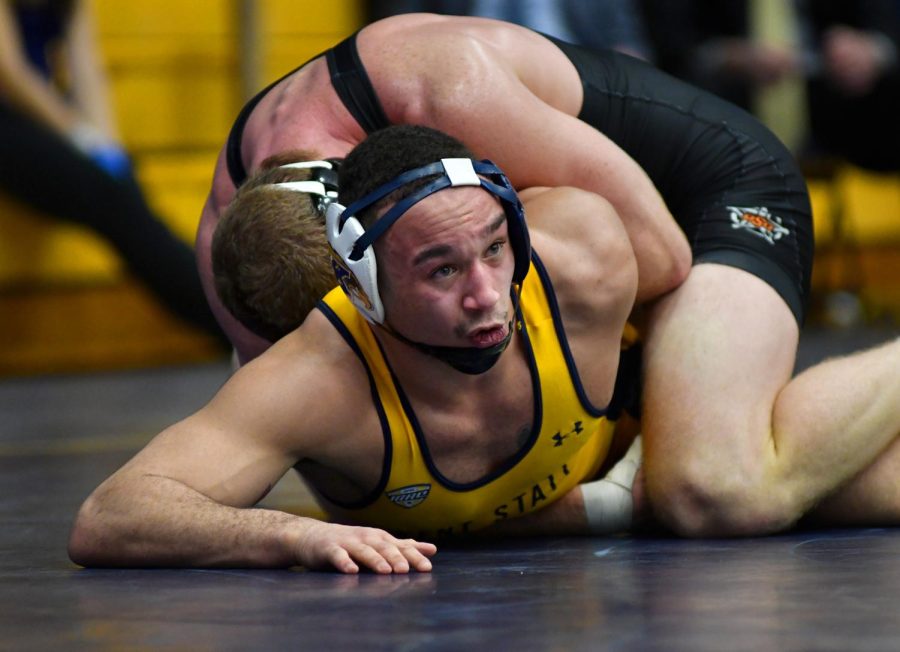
[(442, 272), (495, 248)]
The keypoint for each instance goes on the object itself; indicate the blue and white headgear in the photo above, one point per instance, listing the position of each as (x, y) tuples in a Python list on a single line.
[(353, 254)]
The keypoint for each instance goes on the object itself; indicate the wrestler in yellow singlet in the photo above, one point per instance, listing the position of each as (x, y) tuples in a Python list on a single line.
[(568, 443)]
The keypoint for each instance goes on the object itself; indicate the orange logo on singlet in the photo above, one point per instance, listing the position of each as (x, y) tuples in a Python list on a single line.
[(758, 221)]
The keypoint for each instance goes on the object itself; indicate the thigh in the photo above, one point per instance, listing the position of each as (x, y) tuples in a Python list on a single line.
[(718, 351)]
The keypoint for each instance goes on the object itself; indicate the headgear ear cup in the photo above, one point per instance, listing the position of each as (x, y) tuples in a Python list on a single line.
[(358, 278)]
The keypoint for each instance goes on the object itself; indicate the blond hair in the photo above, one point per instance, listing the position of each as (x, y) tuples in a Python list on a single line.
[(270, 256)]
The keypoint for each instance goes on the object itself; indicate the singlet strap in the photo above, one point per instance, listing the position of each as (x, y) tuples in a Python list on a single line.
[(233, 159), (350, 81)]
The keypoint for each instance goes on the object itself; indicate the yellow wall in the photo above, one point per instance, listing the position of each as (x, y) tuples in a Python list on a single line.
[(174, 68), (867, 204)]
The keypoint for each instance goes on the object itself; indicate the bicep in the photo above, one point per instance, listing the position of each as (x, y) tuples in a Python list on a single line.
[(537, 144), (580, 237), (594, 274), (228, 453)]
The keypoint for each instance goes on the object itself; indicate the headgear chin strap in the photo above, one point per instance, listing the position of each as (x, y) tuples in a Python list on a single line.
[(470, 360), (353, 254)]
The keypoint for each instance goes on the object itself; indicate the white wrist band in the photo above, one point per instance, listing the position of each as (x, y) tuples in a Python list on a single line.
[(608, 504)]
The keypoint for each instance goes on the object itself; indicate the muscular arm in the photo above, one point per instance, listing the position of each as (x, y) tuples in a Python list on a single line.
[(187, 498), (485, 103), (593, 274)]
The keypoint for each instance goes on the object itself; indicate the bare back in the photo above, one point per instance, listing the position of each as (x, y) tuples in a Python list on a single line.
[(424, 56)]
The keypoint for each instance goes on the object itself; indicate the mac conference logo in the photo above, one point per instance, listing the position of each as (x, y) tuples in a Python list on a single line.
[(409, 496)]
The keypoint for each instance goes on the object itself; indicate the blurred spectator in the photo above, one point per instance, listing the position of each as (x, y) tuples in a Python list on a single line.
[(609, 24), (843, 51), (60, 153)]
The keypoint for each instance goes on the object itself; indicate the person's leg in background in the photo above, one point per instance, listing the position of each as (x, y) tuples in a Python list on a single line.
[(41, 169)]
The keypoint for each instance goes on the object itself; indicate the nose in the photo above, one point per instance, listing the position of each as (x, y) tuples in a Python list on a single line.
[(481, 293)]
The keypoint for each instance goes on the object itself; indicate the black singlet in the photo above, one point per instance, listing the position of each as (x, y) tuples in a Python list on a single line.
[(733, 188), (350, 81)]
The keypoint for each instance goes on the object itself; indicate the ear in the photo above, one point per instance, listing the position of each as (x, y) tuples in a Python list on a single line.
[(358, 278)]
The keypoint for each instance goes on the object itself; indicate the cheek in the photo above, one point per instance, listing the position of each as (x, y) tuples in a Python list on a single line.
[(426, 307), (418, 310)]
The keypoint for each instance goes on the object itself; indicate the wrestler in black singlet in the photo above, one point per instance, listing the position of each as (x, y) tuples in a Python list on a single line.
[(733, 188)]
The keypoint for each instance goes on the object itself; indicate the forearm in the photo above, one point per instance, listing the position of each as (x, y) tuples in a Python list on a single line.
[(33, 96), (89, 83), (660, 246), (157, 521), (165, 523)]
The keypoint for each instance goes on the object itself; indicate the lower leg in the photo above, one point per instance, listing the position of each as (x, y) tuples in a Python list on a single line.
[(872, 498)]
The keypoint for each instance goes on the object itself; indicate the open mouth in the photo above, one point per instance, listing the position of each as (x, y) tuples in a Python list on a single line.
[(485, 337)]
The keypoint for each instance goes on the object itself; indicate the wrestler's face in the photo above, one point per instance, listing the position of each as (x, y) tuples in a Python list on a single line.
[(446, 269)]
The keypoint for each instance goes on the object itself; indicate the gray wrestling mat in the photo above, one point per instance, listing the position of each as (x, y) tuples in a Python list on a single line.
[(61, 436)]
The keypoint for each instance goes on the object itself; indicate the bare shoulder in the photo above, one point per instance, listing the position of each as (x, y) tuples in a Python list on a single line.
[(585, 248), (275, 411), (427, 65), (570, 222), (293, 390)]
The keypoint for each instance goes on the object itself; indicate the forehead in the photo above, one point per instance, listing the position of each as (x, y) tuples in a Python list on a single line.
[(450, 213)]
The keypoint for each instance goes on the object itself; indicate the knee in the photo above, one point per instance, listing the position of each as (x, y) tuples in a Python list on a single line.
[(722, 502)]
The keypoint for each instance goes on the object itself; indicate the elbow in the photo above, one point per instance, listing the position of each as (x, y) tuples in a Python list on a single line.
[(679, 268), (679, 264), (86, 541), (668, 269)]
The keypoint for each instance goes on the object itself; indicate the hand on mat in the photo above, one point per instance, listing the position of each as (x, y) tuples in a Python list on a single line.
[(347, 548)]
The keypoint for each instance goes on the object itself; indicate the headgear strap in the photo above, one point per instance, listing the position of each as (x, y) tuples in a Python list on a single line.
[(323, 181)]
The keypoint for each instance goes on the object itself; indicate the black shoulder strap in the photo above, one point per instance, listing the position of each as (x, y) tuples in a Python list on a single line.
[(350, 81), (236, 169), (233, 158)]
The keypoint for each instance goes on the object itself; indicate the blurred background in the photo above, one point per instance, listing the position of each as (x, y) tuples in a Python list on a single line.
[(73, 299)]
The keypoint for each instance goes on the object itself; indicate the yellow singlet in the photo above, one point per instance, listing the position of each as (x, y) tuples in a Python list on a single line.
[(569, 440)]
